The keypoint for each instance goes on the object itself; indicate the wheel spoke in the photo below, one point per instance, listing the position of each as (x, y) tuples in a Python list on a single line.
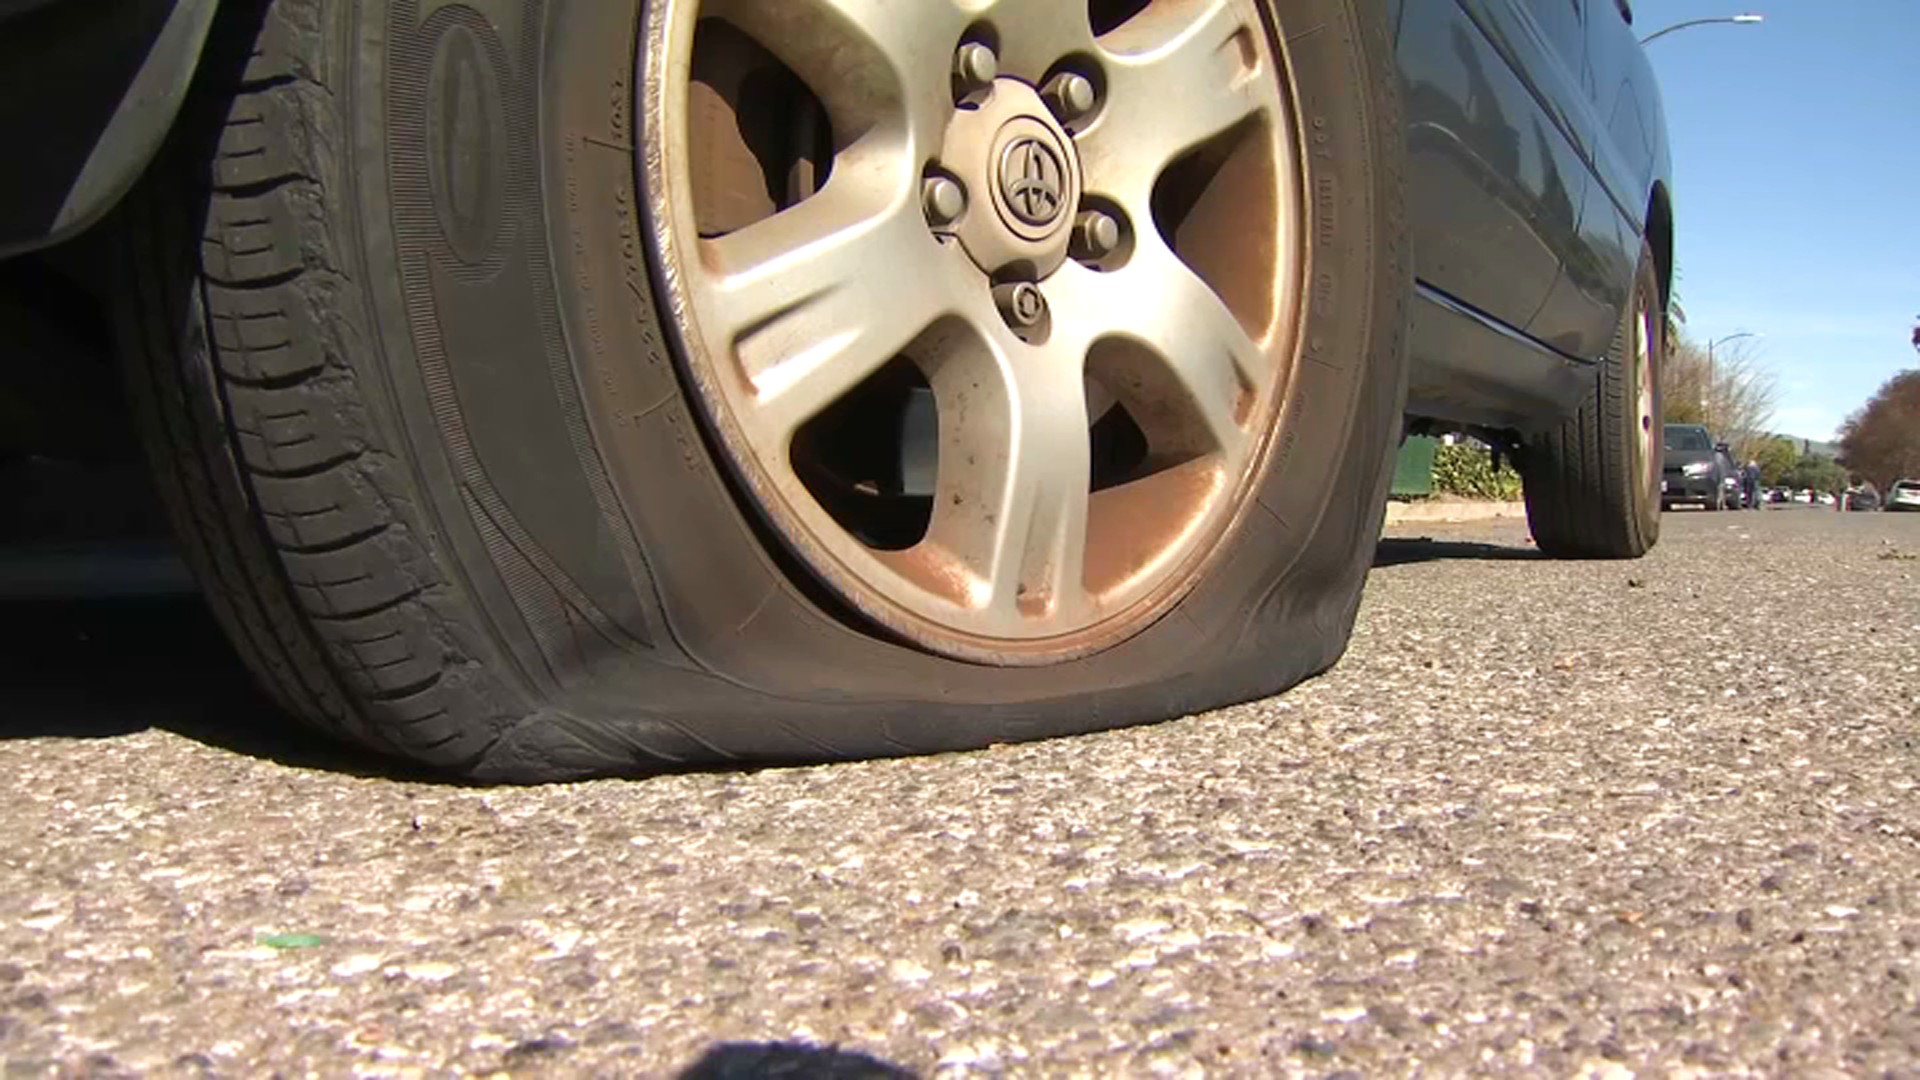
[(873, 63), (1161, 308), (808, 303), (1178, 75), (1012, 504)]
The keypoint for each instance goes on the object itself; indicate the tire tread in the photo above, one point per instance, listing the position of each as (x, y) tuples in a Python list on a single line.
[(1579, 479), (265, 450)]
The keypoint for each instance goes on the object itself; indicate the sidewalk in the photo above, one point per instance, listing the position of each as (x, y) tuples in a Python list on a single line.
[(1446, 510)]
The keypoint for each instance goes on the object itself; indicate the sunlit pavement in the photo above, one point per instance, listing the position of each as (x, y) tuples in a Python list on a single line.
[(1562, 817)]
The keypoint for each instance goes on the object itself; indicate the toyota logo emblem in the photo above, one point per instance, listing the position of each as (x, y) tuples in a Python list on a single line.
[(1032, 181)]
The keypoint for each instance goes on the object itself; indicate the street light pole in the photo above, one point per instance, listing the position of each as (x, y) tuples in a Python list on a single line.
[(1707, 391), (1736, 20)]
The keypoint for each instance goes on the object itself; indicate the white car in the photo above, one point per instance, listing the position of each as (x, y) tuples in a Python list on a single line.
[(1904, 495)]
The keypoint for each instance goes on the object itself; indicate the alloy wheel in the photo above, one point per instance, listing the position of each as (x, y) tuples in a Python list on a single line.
[(1649, 429), (992, 305)]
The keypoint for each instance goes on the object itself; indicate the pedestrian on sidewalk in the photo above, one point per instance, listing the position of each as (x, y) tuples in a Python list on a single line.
[(1750, 483)]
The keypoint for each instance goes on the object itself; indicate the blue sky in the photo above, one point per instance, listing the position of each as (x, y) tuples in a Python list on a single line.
[(1796, 156)]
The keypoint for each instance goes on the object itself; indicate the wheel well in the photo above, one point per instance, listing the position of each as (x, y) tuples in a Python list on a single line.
[(1660, 239)]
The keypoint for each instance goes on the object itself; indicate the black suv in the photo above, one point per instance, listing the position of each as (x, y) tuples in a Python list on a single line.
[(1696, 470)]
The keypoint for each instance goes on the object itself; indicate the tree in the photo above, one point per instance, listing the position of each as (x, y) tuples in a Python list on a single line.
[(1816, 472), (1881, 442), (1777, 456), (1730, 392)]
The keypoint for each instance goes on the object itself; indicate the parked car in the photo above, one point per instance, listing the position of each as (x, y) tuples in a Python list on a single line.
[(1735, 495), (1698, 470), (1735, 491), (1904, 495), (838, 379), (1864, 497)]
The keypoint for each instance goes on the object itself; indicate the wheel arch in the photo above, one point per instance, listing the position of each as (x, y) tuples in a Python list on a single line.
[(1659, 235), (121, 74)]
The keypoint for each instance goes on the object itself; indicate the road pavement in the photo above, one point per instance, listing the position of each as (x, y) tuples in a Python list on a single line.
[(1549, 818)]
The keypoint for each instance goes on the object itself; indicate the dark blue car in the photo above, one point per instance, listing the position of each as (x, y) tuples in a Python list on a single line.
[(547, 387)]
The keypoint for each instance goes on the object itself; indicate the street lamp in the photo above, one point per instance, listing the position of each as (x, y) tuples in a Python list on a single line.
[(1713, 344), (1739, 20)]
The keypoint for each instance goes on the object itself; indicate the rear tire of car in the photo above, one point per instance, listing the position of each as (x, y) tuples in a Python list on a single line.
[(1592, 484), (428, 437)]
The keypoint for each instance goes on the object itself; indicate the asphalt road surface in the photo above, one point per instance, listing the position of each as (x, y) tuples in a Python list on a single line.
[(1560, 819)]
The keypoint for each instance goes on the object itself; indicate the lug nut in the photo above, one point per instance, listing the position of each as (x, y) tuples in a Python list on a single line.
[(1021, 304), (1095, 235), (974, 69), (1070, 96), (942, 200)]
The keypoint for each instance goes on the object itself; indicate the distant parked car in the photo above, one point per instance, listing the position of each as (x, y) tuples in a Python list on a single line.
[(1736, 492), (1904, 495), (1697, 469), (1736, 495), (1863, 498)]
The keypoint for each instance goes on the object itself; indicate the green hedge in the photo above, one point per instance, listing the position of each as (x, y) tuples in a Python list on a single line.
[(1466, 470)]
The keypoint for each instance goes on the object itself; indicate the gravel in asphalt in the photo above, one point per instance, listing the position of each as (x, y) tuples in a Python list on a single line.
[(1552, 818)]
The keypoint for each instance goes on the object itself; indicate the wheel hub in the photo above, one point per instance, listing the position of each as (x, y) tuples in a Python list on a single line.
[(1022, 178)]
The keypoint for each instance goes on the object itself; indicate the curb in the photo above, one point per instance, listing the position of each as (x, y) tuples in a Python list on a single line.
[(1434, 513)]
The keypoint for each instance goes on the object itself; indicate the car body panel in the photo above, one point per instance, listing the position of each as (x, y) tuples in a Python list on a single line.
[(1478, 372), (119, 70), (1544, 42), (1491, 190), (1535, 145), (1636, 158), (1582, 313), (1534, 130)]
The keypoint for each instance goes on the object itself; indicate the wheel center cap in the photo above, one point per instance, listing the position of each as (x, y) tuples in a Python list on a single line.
[(1033, 179), (1032, 182), (1009, 153)]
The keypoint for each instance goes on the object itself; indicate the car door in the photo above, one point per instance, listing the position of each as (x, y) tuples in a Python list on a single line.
[(1614, 122), (1552, 47), (1504, 130), (1496, 184), (1630, 152)]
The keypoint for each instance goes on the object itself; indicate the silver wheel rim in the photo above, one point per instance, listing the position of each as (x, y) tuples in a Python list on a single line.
[(1644, 332), (1186, 329)]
